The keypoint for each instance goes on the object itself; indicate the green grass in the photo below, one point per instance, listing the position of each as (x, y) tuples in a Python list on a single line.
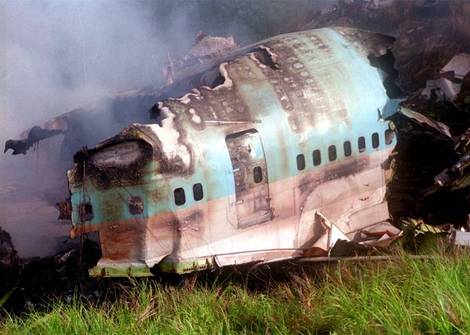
[(404, 296)]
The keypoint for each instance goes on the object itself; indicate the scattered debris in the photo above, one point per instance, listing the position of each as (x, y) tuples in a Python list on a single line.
[(26, 283), (432, 160)]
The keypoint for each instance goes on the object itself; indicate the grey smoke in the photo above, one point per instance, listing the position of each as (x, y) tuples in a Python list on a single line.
[(60, 54)]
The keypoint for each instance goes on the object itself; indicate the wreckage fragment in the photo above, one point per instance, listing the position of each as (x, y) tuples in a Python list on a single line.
[(457, 171), (420, 118), (451, 77), (431, 179), (272, 152), (210, 47), (34, 135)]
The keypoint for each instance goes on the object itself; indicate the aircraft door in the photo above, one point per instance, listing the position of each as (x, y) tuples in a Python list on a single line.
[(250, 176)]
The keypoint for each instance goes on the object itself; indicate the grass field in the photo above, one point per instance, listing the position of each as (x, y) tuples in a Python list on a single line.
[(404, 296)]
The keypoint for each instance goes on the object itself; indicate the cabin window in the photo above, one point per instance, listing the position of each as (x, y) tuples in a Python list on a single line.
[(257, 174), (180, 198), (389, 134), (332, 153), (375, 140), (361, 143), (300, 162), (316, 157), (198, 193), (347, 148)]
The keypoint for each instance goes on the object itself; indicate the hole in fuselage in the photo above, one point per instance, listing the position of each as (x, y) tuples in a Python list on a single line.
[(390, 74), (265, 58), (85, 212)]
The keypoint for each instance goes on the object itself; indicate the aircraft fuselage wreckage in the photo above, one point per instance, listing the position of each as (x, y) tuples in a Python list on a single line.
[(273, 151)]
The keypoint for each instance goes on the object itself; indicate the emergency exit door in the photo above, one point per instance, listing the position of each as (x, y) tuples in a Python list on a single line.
[(252, 202)]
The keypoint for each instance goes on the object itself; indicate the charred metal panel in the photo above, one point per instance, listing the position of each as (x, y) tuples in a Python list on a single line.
[(297, 85)]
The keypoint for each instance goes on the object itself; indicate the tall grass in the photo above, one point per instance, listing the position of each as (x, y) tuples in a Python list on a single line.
[(404, 296)]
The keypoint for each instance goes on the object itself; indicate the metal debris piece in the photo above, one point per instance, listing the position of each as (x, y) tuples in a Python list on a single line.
[(451, 76), (449, 176), (440, 127), (459, 66), (460, 238), (343, 248), (418, 226), (209, 47), (458, 175), (32, 136), (367, 241)]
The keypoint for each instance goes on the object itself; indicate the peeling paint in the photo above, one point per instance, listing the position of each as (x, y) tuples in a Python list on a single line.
[(170, 139)]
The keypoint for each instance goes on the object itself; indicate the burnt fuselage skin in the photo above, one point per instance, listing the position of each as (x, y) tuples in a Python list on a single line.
[(280, 158)]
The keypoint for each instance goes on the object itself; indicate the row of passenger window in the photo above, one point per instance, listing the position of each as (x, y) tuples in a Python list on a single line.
[(180, 196), (347, 149), (198, 193)]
